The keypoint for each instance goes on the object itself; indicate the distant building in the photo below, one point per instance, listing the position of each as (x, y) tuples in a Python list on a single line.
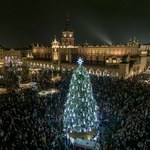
[(111, 60), (123, 60), (12, 57), (1, 59)]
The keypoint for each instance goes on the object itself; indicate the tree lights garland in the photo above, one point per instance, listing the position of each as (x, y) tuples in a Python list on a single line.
[(80, 114)]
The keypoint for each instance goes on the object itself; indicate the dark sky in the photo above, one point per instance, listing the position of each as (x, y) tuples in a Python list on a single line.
[(25, 22)]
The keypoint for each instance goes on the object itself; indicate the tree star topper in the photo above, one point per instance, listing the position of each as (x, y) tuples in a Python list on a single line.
[(80, 61)]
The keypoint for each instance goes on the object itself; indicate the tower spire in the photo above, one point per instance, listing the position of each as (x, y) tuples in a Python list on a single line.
[(67, 24), (55, 37), (67, 35)]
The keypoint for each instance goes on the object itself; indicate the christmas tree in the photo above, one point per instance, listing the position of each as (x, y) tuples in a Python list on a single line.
[(81, 109)]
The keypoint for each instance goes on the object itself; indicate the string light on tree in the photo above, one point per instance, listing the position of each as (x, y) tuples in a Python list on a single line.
[(80, 114)]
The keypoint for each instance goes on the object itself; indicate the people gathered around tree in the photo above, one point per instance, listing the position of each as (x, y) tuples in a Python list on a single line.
[(30, 121)]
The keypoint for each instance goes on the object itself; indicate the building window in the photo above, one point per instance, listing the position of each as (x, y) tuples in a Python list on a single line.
[(55, 56), (114, 61), (67, 58), (110, 60)]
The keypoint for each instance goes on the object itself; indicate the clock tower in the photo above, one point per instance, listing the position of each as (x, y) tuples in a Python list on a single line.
[(67, 35)]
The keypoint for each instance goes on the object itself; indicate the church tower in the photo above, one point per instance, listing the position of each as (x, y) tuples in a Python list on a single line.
[(67, 34), (55, 51)]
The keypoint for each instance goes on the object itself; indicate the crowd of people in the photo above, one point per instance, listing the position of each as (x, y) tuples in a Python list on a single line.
[(125, 105), (31, 121)]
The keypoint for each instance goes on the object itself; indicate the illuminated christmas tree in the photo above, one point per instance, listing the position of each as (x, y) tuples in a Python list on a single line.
[(81, 109)]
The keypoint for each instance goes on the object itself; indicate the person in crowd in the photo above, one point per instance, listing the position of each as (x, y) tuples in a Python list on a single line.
[(30, 121)]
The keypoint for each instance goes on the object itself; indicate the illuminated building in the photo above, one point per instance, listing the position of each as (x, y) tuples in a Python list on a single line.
[(124, 60), (12, 57), (1, 59), (111, 60), (67, 35)]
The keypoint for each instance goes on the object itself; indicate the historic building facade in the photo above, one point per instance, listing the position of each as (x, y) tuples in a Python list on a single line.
[(106, 60), (12, 57), (115, 60), (1, 59)]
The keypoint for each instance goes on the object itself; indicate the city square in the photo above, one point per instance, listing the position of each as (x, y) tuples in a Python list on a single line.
[(86, 87)]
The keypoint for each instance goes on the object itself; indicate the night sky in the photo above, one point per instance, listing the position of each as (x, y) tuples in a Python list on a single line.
[(24, 22)]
